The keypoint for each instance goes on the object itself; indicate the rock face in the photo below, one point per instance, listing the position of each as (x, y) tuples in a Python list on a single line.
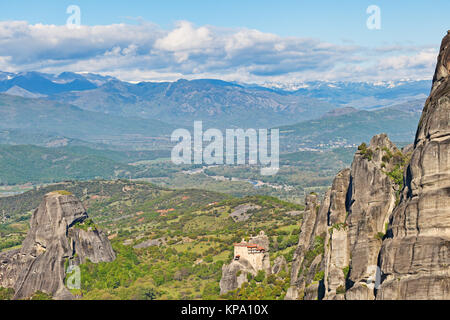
[(58, 237), (386, 220), (415, 257), (279, 265), (340, 241), (235, 273), (372, 195), (337, 251), (308, 257)]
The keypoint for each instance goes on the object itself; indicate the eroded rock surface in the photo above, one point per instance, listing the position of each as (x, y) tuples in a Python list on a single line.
[(415, 257), (58, 237), (387, 217)]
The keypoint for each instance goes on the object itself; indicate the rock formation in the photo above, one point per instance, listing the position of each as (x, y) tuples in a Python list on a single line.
[(415, 257), (385, 221), (340, 241), (372, 197), (279, 265), (308, 256), (235, 273), (60, 235)]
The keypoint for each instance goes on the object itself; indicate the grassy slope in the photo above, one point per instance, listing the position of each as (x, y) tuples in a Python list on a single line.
[(195, 224)]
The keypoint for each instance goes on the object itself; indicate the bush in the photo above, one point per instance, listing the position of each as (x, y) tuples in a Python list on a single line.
[(6, 293), (39, 295), (319, 276), (271, 279), (146, 294), (397, 175), (63, 192), (260, 276), (366, 152), (211, 291), (379, 236), (340, 290), (346, 270)]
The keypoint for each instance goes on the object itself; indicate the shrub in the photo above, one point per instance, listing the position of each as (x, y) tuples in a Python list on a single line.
[(6, 293), (346, 270), (365, 152), (260, 276), (63, 192), (86, 225), (271, 279), (319, 276), (379, 236), (397, 175), (340, 290), (39, 295)]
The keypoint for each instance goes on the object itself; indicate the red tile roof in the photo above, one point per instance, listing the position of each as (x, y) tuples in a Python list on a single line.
[(248, 245)]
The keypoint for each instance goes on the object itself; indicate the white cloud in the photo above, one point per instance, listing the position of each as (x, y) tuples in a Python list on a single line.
[(148, 52)]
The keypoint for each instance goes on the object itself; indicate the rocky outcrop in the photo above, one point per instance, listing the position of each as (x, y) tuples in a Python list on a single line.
[(279, 265), (308, 256), (60, 235), (387, 217), (340, 240), (372, 194), (236, 273), (415, 256), (337, 250)]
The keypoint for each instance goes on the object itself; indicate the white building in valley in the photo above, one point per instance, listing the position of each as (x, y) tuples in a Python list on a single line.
[(250, 252)]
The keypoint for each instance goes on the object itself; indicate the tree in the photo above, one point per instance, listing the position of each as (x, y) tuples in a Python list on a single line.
[(260, 276)]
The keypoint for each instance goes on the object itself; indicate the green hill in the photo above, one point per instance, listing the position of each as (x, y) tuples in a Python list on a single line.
[(21, 164), (54, 118), (349, 129), (194, 229)]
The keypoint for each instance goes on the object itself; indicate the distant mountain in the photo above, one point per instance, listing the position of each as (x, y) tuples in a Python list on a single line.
[(5, 75), (363, 95), (350, 129), (217, 103), (38, 83), (54, 118), (20, 164), (413, 106), (339, 112), (43, 139), (21, 92)]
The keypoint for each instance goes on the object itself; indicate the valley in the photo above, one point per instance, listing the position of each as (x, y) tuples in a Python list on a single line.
[(196, 230)]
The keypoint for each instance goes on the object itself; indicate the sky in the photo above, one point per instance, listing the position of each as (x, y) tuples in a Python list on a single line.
[(284, 41)]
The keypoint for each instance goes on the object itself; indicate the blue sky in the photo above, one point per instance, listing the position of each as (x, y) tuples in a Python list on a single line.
[(416, 21), (409, 29)]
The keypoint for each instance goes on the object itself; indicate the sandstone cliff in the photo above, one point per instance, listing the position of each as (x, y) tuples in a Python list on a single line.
[(308, 256), (415, 257), (340, 240), (385, 222), (60, 235)]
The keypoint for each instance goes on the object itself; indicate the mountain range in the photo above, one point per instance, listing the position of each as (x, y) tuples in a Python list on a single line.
[(349, 127), (102, 111), (218, 103)]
